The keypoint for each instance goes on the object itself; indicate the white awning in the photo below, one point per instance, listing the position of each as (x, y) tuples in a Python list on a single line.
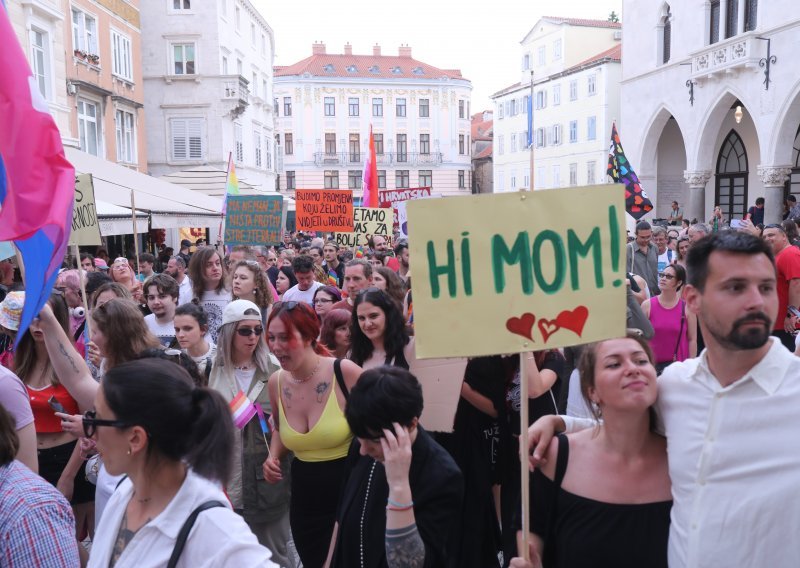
[(116, 220), (169, 206)]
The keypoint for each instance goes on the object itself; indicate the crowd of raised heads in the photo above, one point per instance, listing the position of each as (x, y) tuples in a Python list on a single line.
[(254, 405)]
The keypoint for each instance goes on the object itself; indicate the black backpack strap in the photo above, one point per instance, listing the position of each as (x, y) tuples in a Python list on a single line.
[(183, 535), (79, 331), (337, 370), (561, 459), (207, 371)]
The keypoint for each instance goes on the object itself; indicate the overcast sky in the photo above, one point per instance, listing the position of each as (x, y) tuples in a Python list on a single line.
[(481, 39)]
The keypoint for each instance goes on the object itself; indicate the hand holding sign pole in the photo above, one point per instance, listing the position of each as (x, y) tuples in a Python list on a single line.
[(556, 276)]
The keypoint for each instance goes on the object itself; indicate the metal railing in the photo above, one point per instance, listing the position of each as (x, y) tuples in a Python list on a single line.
[(385, 159)]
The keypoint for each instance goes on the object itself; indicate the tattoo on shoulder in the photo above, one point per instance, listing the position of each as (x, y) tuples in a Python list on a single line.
[(404, 547), (321, 389), (66, 354), (124, 537)]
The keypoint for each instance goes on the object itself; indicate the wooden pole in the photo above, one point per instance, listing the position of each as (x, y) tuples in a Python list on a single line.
[(523, 455), (81, 278), (135, 234)]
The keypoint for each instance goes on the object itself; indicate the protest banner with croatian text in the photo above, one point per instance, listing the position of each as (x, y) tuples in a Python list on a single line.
[(509, 273), (367, 221), (324, 210), (393, 197), (253, 220), (85, 226)]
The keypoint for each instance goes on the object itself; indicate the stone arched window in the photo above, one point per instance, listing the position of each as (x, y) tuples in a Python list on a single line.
[(731, 174), (664, 35)]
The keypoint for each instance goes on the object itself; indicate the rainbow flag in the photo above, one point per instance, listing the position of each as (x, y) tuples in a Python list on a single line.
[(262, 419), (242, 410), (37, 183), (333, 278)]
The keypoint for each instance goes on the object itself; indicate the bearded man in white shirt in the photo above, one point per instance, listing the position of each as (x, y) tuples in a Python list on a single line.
[(729, 416)]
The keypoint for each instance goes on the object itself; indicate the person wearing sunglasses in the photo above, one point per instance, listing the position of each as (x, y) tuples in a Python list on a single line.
[(241, 369), (172, 441), (308, 396), (122, 272), (675, 327)]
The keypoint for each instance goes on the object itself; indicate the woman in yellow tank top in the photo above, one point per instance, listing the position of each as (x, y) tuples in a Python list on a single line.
[(308, 395)]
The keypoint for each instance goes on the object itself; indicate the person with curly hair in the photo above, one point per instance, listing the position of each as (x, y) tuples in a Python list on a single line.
[(378, 332), (249, 282)]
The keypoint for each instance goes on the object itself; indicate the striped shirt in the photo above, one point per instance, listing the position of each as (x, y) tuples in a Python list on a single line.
[(37, 528)]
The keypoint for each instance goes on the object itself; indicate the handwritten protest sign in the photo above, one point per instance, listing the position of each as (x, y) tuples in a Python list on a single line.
[(517, 272), (85, 225), (324, 210), (253, 220), (367, 221), (393, 197)]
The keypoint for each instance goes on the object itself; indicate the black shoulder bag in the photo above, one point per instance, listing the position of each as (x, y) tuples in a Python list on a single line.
[(183, 535)]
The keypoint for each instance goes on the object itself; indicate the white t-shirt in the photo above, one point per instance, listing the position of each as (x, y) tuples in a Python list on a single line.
[(666, 259), (295, 294), (164, 332), (214, 304), (185, 291), (219, 537), (206, 358)]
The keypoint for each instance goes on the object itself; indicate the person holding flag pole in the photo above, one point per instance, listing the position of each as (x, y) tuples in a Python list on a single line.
[(231, 188)]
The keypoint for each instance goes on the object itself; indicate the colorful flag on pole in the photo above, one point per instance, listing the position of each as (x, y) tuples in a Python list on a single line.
[(369, 183), (37, 183), (242, 410), (637, 204), (231, 183)]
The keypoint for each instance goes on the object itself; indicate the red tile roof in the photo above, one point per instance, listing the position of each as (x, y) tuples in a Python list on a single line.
[(485, 153), (385, 67), (481, 129), (613, 54), (584, 22)]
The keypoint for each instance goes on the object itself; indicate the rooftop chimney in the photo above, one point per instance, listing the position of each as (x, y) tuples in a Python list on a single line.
[(348, 49), (404, 51), (376, 50), (318, 48)]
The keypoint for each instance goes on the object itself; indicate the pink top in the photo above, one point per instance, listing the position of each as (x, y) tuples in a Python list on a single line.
[(667, 324)]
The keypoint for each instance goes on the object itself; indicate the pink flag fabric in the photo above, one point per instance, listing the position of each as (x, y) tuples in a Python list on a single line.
[(370, 177)]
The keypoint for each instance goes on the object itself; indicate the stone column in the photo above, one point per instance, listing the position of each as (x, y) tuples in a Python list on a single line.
[(774, 180), (695, 206)]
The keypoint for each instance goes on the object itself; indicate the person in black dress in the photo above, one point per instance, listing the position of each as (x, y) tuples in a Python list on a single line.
[(603, 496)]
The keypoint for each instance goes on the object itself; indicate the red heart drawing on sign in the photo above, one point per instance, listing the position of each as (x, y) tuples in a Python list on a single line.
[(573, 320), (522, 325), (548, 328)]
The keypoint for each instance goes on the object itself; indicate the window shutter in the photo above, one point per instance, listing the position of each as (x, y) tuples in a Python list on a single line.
[(179, 150), (194, 132)]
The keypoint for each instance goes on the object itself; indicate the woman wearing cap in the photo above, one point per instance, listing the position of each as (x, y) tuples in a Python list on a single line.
[(308, 395), (241, 369), (207, 273)]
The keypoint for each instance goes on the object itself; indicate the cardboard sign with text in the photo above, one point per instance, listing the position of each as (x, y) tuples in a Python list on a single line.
[(324, 210), (514, 272), (393, 197), (367, 221), (253, 220), (85, 225)]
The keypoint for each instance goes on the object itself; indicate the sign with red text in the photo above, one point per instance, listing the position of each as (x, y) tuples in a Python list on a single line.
[(392, 197), (328, 210)]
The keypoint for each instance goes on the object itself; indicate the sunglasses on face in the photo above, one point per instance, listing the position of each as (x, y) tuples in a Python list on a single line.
[(91, 422), (666, 276), (248, 331), (288, 306)]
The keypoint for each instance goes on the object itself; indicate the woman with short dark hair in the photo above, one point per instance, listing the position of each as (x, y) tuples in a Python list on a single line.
[(403, 492), (173, 441)]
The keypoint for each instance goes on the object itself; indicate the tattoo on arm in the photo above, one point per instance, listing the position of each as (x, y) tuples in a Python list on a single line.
[(321, 389), (404, 548), (65, 353)]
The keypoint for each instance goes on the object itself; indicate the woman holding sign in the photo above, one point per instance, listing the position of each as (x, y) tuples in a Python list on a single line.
[(378, 332), (241, 369), (309, 395)]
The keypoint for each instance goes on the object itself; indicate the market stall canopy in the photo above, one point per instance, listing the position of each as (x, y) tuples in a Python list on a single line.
[(169, 205), (116, 220)]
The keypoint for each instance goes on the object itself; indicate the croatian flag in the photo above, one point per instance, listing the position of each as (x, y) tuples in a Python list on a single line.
[(242, 410), (369, 198), (37, 183)]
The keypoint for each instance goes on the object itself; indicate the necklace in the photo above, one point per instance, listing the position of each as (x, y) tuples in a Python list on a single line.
[(143, 501), (245, 367), (311, 376), (364, 513)]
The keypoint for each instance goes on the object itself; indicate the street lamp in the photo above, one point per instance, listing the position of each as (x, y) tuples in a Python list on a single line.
[(738, 114)]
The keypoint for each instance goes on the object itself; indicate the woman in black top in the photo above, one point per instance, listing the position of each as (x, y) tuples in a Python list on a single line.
[(378, 334), (603, 496)]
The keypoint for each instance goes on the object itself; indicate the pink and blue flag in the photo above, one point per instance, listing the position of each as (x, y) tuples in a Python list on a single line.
[(37, 183)]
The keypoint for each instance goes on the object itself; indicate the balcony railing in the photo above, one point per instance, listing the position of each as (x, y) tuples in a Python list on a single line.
[(732, 54), (237, 89), (398, 159)]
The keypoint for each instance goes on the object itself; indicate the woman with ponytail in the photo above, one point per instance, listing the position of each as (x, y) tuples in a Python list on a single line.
[(241, 369), (308, 396), (173, 441)]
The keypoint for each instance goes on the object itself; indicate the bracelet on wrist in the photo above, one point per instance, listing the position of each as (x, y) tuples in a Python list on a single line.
[(393, 508), (396, 504)]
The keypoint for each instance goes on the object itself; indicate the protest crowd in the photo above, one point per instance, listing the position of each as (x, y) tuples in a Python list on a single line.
[(257, 405)]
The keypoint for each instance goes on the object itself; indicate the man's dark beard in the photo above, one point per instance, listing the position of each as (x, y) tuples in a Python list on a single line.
[(753, 338)]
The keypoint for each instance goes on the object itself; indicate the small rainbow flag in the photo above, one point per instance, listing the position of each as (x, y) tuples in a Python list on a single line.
[(242, 410), (262, 418), (333, 278)]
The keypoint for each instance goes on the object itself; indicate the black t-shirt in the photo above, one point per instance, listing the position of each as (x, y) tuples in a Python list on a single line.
[(541, 405)]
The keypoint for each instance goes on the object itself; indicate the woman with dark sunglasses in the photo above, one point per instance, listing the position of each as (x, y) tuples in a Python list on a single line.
[(172, 441), (308, 395), (241, 369)]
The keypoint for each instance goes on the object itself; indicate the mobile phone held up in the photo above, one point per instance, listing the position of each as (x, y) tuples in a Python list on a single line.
[(55, 405)]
